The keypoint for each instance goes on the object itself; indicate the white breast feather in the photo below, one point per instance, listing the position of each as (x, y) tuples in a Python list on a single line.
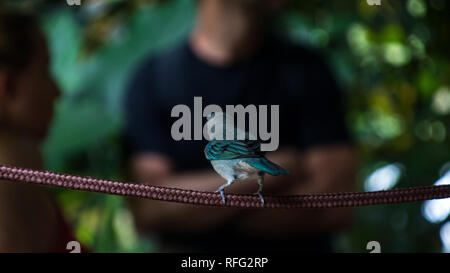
[(229, 169), (245, 170)]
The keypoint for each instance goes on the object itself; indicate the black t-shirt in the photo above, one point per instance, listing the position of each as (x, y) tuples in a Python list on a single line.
[(277, 74)]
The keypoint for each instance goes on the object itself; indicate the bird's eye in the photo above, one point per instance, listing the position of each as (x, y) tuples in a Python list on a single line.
[(210, 116)]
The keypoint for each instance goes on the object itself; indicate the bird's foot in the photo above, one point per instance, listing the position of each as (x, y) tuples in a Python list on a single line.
[(222, 194), (259, 193)]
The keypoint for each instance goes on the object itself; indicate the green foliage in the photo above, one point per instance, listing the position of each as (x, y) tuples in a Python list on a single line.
[(85, 136), (394, 69)]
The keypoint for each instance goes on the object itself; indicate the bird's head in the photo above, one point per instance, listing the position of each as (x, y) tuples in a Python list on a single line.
[(217, 124), (210, 116), (222, 126)]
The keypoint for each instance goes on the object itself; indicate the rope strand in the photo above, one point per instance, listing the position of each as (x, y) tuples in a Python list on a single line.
[(329, 200)]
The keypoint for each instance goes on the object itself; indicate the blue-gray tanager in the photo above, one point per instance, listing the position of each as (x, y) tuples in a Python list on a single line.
[(237, 159)]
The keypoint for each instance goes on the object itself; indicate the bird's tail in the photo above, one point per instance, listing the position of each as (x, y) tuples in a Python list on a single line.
[(267, 166)]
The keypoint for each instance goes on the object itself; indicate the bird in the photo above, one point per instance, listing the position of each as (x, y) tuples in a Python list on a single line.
[(238, 159)]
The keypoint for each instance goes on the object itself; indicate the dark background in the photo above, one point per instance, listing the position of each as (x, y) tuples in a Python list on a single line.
[(392, 61)]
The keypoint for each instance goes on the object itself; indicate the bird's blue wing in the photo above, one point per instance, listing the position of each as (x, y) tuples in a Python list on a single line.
[(232, 149), (265, 165), (248, 150)]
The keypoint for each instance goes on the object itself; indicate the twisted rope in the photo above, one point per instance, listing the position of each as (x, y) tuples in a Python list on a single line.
[(329, 200)]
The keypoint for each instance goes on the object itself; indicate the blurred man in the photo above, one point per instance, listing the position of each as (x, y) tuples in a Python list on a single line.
[(231, 58)]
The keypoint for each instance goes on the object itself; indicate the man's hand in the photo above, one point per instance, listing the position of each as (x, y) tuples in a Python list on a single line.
[(319, 170)]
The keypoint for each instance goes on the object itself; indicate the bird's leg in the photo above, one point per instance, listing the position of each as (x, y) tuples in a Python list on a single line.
[(260, 183), (220, 189)]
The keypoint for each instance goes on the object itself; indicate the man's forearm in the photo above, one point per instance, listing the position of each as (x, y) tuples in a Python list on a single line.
[(169, 216), (325, 170), (159, 215), (331, 169)]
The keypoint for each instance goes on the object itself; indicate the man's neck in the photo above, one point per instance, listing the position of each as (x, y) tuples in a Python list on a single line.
[(224, 34)]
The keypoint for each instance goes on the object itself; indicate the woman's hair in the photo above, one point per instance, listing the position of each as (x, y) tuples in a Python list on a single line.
[(17, 39)]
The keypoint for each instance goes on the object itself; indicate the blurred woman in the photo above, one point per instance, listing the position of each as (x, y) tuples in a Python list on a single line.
[(30, 220)]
